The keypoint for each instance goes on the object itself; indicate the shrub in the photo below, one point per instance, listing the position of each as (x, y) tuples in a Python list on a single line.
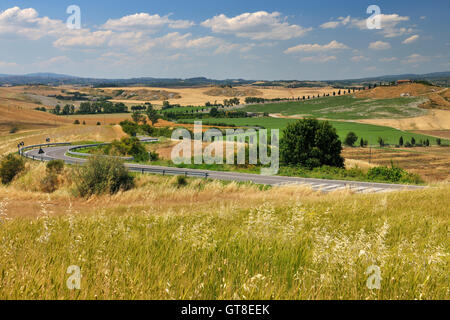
[(10, 166), (76, 122), (55, 166), (14, 129), (351, 139), (393, 174), (102, 175), (99, 124), (311, 143), (181, 181), (154, 156), (438, 141), (128, 146), (129, 127), (50, 183)]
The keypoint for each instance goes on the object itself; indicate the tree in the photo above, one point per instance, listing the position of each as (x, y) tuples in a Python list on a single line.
[(10, 166), (438, 141), (361, 143), (413, 141), (57, 109), (311, 143), (152, 115), (213, 112), (351, 139), (138, 117), (381, 141), (400, 142)]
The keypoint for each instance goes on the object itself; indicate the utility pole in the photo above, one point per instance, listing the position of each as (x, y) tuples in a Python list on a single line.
[(370, 155)]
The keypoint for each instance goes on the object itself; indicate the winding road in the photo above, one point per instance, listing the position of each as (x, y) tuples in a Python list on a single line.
[(61, 152)]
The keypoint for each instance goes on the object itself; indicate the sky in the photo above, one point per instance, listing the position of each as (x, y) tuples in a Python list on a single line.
[(258, 40)]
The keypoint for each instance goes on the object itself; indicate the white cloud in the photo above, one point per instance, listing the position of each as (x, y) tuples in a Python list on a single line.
[(146, 22), (334, 24), (389, 25), (4, 64), (333, 45), (55, 61), (379, 45), (28, 24), (392, 59), (359, 58), (84, 39), (415, 59), (259, 25), (318, 59), (411, 39)]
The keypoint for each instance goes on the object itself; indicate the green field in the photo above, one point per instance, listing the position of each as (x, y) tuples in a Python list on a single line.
[(345, 107), (367, 131)]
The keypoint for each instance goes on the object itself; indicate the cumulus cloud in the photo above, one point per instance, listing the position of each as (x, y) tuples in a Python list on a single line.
[(318, 59), (389, 25), (333, 45), (341, 21), (259, 25), (411, 39), (379, 45), (392, 59), (4, 64), (146, 22), (415, 58), (359, 58), (28, 24)]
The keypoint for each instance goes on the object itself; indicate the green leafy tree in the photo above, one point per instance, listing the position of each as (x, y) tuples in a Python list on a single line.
[(311, 143), (413, 141), (10, 166), (351, 139), (381, 142), (401, 142), (152, 115)]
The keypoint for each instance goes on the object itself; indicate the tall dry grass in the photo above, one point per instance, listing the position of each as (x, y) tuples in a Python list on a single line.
[(211, 240)]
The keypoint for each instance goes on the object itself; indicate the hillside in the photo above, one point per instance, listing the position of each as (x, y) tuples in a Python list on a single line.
[(438, 97)]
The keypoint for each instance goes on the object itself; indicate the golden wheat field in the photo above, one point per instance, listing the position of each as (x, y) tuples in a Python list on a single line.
[(211, 240)]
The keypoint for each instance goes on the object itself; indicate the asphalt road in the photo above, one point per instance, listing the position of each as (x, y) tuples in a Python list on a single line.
[(60, 152)]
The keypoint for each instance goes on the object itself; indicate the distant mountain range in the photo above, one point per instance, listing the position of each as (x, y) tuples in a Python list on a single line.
[(439, 78)]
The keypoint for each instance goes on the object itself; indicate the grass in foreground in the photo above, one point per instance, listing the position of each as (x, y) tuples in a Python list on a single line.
[(213, 241)]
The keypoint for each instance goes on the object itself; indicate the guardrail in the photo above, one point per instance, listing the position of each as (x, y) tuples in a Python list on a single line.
[(163, 171), (89, 154)]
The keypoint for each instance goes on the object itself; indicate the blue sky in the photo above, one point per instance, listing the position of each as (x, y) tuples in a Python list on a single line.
[(304, 40)]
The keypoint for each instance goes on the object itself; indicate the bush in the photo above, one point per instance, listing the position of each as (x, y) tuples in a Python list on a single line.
[(351, 139), (438, 141), (14, 129), (99, 124), (128, 146), (76, 122), (181, 181), (393, 174), (311, 143), (154, 156), (102, 175), (55, 166), (10, 166), (50, 183)]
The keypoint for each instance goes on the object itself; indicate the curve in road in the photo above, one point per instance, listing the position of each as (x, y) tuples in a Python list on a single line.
[(60, 152)]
